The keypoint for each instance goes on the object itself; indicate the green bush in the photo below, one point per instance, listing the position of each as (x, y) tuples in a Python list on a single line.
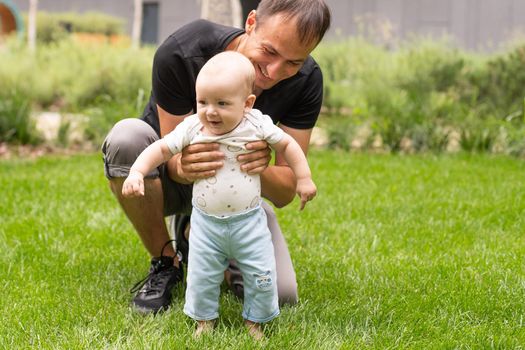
[(79, 78), (477, 137), (342, 131), (93, 22), (49, 28), (515, 138), (497, 87), (419, 97), (15, 124), (424, 92), (351, 69), (54, 27), (75, 76)]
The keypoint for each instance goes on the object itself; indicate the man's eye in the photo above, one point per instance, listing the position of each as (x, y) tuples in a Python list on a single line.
[(268, 52)]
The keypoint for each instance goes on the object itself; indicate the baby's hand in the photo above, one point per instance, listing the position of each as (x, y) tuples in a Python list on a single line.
[(133, 185), (306, 190)]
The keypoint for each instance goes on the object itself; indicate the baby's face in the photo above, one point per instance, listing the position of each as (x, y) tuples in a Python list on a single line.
[(220, 104)]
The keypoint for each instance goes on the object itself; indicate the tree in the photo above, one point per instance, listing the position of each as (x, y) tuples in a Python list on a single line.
[(31, 24), (227, 12), (137, 23)]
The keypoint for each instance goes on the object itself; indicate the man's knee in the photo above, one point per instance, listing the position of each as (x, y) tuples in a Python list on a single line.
[(287, 291), (270, 214), (129, 136), (123, 144)]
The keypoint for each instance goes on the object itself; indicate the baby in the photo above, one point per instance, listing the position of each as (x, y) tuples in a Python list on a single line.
[(228, 221)]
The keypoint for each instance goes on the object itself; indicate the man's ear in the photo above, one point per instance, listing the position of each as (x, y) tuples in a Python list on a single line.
[(248, 104), (251, 20)]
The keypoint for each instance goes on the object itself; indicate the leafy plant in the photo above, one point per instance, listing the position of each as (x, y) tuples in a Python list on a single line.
[(55, 27), (414, 98), (15, 124), (75, 77)]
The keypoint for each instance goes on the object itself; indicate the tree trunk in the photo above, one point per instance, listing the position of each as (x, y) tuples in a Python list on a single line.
[(31, 24), (137, 24), (226, 12)]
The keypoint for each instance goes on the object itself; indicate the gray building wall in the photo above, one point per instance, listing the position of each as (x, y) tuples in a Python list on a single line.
[(473, 24), (172, 13)]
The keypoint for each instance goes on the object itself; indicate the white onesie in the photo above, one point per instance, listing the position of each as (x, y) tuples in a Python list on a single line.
[(230, 191)]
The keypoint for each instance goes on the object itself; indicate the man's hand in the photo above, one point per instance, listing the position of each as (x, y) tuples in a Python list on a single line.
[(306, 190), (133, 186), (199, 161), (256, 161)]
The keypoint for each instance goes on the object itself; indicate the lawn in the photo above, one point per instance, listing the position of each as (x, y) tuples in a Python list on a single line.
[(395, 252)]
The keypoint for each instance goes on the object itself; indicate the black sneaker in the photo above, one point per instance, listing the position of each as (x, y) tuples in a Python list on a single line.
[(154, 291), (235, 282), (178, 224)]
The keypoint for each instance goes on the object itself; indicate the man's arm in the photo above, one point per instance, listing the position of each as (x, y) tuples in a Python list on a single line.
[(278, 181), (168, 121), (294, 156)]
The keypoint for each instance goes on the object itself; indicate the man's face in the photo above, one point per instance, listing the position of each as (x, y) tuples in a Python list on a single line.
[(274, 49)]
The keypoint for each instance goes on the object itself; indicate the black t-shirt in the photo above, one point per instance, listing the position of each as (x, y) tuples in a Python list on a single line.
[(294, 102)]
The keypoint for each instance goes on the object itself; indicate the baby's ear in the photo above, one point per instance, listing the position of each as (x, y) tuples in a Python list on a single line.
[(248, 104)]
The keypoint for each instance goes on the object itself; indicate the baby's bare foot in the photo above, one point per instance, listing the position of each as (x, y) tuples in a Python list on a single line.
[(255, 330), (203, 327)]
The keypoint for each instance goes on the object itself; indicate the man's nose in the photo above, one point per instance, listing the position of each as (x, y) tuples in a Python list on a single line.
[(274, 69), (277, 69)]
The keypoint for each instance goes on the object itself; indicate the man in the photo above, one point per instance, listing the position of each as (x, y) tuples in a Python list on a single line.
[(277, 39)]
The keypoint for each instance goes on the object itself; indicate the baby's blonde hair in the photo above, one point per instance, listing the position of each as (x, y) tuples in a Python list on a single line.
[(233, 64)]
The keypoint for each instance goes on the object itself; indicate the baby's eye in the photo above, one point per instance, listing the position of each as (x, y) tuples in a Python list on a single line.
[(201, 102), (223, 103)]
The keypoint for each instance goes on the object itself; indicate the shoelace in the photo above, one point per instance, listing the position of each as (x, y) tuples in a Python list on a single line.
[(154, 275)]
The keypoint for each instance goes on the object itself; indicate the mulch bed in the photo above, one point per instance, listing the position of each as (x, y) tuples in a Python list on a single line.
[(8, 151)]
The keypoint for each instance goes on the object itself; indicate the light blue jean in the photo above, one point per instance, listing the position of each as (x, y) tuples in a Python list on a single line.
[(213, 242)]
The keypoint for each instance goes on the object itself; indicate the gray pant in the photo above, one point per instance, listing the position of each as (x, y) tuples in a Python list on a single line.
[(124, 143)]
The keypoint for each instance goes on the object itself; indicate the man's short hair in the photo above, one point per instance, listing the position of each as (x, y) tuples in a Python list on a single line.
[(312, 16)]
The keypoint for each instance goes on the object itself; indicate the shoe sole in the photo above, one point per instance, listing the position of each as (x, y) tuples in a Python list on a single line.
[(145, 311)]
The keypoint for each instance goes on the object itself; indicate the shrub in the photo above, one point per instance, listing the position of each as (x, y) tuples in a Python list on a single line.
[(343, 131), (515, 138), (417, 98), (54, 27), (93, 22), (15, 124), (497, 87), (350, 67), (424, 92), (77, 78)]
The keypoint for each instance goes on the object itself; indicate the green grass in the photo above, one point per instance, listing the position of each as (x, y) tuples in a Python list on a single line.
[(418, 252)]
